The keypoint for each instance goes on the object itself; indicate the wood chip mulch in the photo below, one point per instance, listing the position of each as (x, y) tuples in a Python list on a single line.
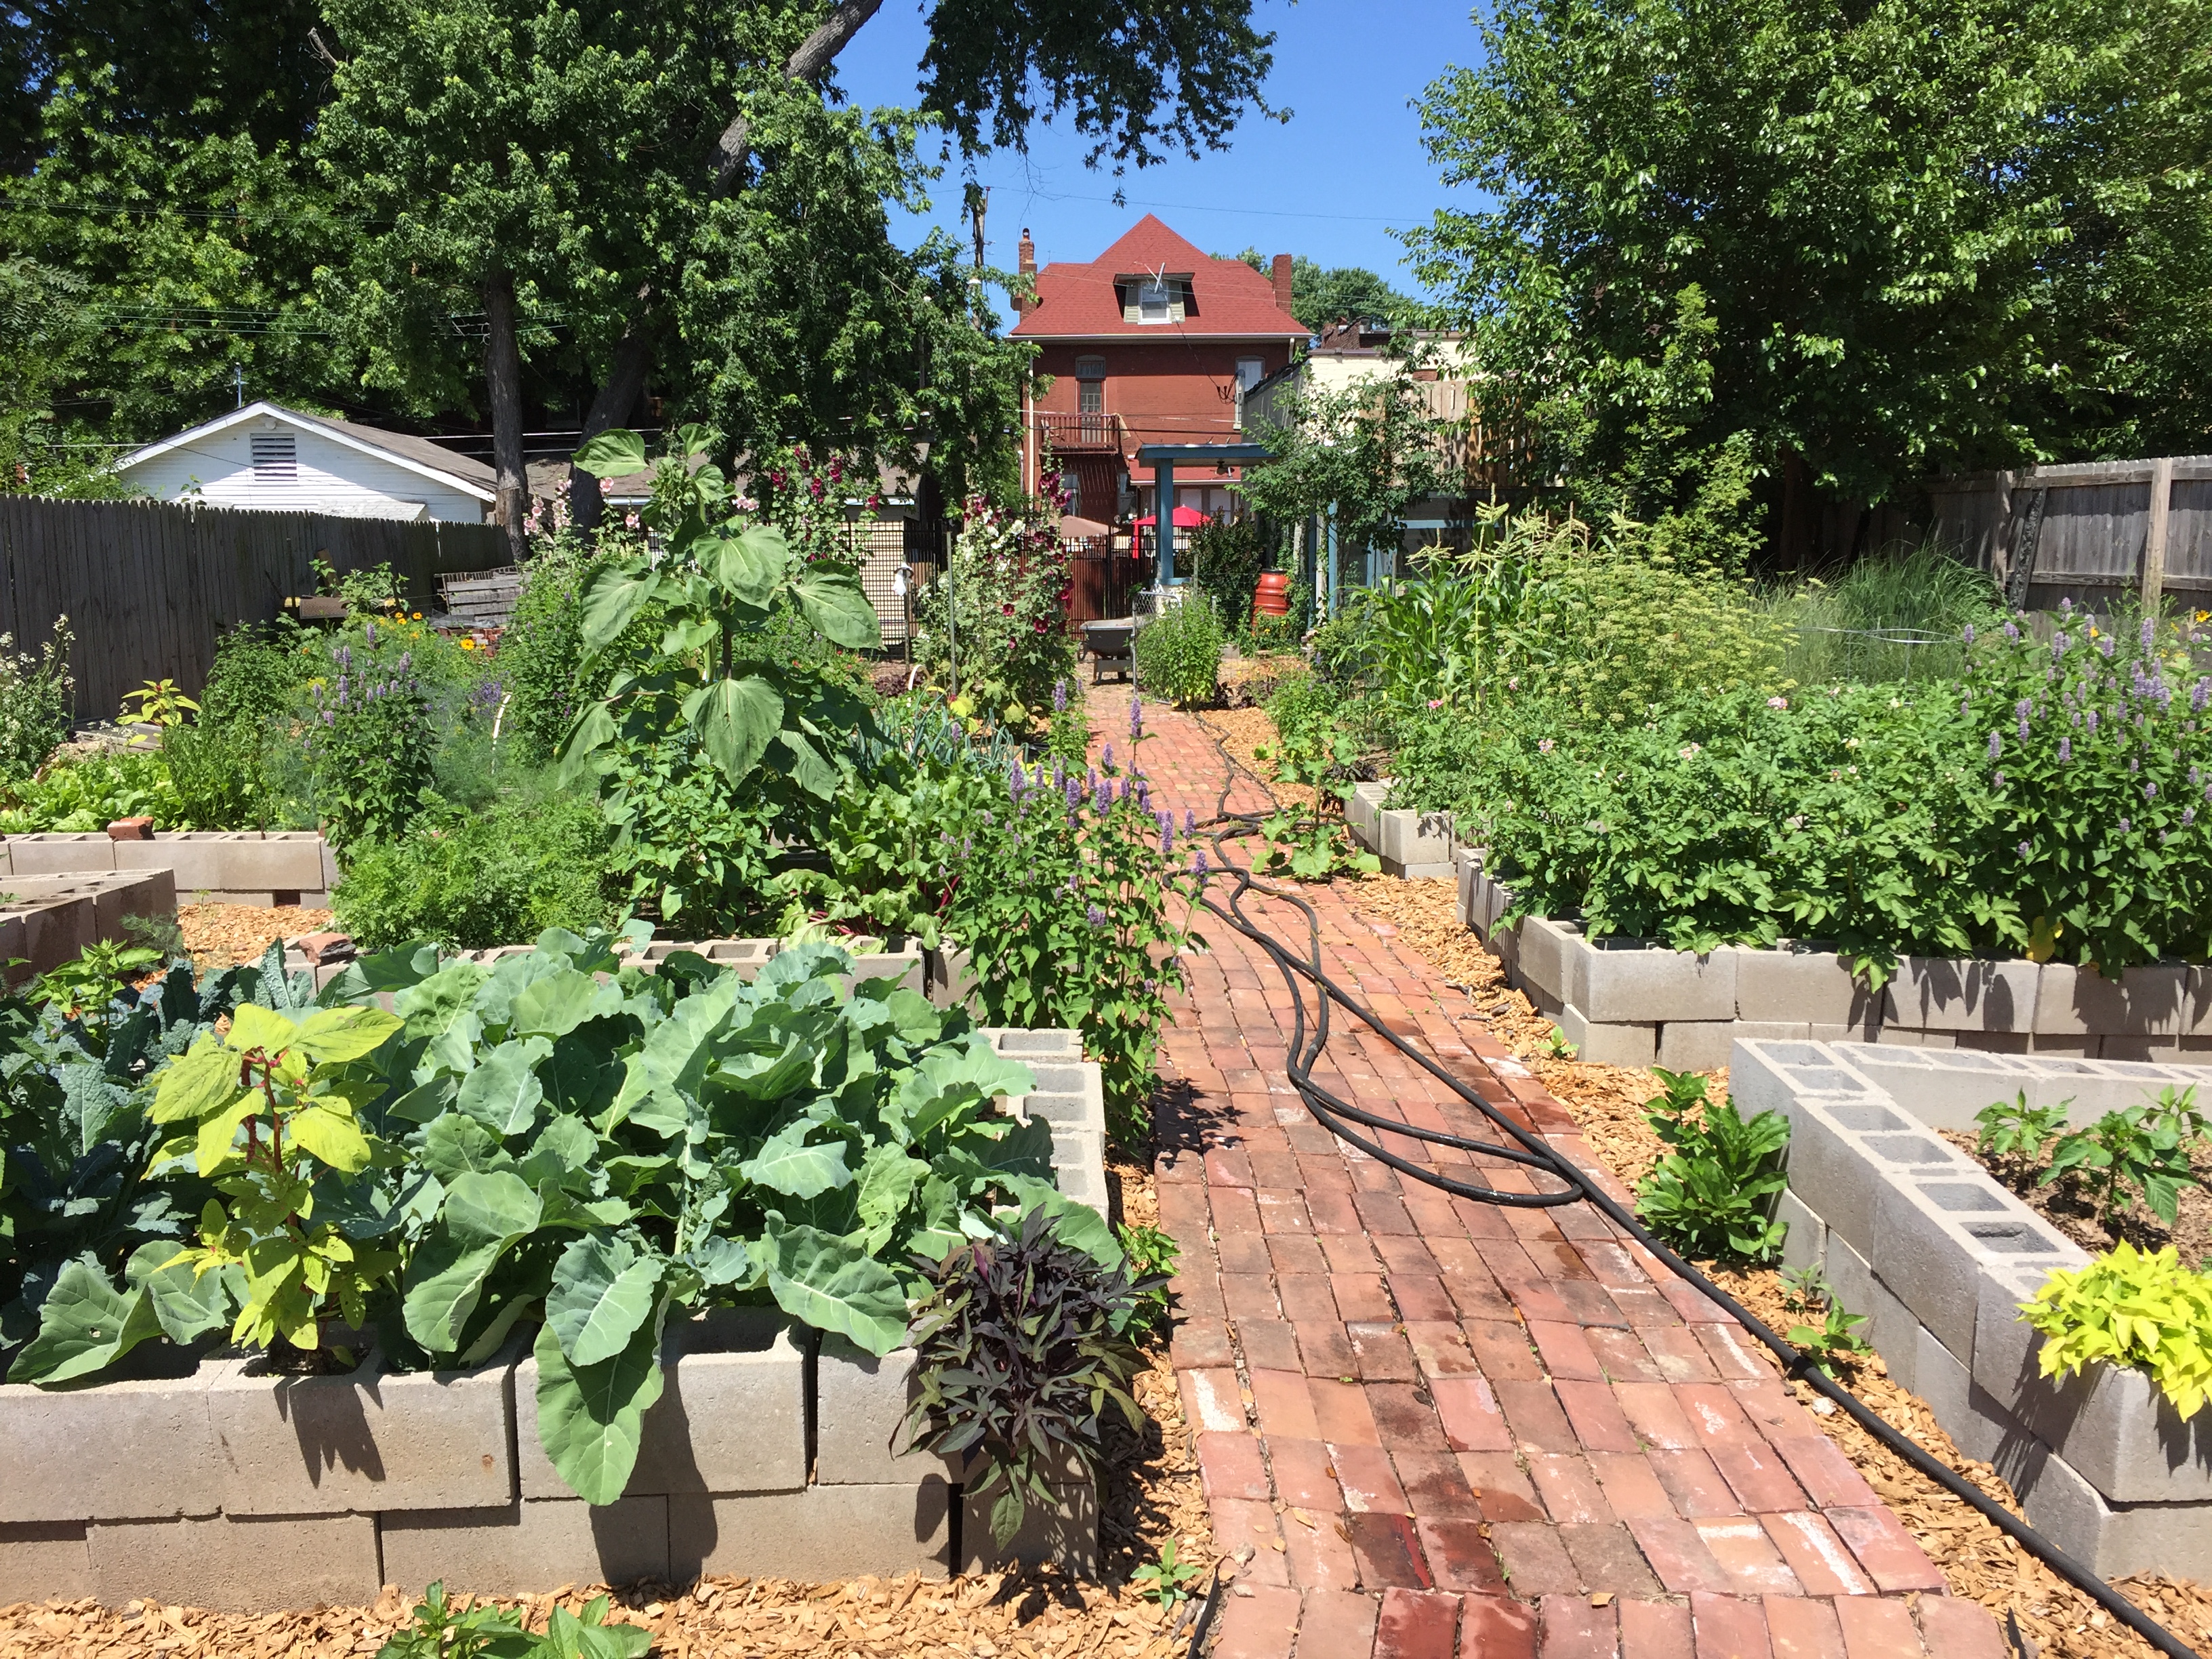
[(1979, 1562), (1151, 1492), (221, 935)]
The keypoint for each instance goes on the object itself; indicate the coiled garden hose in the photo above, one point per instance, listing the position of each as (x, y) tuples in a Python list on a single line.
[(1531, 1152)]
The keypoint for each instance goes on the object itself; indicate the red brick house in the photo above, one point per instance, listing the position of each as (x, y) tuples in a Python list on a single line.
[(1153, 342)]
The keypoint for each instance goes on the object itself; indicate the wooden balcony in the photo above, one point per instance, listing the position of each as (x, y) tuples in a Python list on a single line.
[(1081, 434)]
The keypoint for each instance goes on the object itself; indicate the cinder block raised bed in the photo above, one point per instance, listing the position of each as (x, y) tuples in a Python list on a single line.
[(768, 1454), (1629, 1002), (45, 920), (1915, 1236), (1415, 844), (285, 866)]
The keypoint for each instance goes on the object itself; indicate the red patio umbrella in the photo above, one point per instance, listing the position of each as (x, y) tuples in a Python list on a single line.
[(1186, 517)]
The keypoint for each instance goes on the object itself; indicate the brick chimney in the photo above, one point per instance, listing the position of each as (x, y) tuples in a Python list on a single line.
[(1282, 281), (1028, 267)]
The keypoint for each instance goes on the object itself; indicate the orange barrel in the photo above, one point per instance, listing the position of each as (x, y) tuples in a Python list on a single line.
[(1272, 598)]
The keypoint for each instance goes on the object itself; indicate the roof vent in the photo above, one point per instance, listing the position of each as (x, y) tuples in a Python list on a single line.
[(276, 457)]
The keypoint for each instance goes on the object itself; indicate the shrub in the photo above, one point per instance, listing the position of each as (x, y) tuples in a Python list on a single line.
[(2130, 1308), (1224, 564), (471, 881), (257, 677), (1018, 1349), (993, 620), (541, 654), (1179, 652), (35, 697)]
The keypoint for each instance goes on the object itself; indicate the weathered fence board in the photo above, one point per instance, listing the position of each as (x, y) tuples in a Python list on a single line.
[(2093, 533), (147, 585)]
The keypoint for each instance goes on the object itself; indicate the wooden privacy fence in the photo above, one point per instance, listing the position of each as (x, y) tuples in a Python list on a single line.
[(147, 585), (2092, 531)]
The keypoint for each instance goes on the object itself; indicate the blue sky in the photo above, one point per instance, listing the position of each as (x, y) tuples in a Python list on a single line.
[(1331, 184)]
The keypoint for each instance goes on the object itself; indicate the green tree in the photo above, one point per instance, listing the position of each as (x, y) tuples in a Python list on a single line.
[(1320, 295), (1895, 237)]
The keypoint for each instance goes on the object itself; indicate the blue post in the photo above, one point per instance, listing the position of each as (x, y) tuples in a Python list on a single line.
[(1164, 519), (1328, 596)]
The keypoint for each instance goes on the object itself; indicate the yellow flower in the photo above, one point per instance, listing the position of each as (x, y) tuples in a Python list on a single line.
[(418, 616), (468, 645)]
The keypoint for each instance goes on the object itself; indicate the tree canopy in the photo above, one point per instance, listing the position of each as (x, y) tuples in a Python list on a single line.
[(1890, 238), (1320, 295)]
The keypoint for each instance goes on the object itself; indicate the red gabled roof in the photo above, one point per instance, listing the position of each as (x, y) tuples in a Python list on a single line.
[(1229, 298)]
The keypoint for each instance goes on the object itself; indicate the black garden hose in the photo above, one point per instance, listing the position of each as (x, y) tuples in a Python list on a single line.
[(1532, 1152)]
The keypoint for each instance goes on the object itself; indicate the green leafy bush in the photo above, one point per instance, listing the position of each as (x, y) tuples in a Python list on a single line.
[(474, 880), (542, 656), (257, 675), (369, 744), (993, 621), (2130, 1308), (1313, 844), (1019, 1348), (1712, 1194), (2139, 1152), (35, 697), (1179, 652), (2014, 1129), (217, 771), (89, 792), (1223, 559)]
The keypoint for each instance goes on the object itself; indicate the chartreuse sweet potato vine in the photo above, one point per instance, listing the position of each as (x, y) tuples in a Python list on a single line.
[(556, 1143), (2133, 1308)]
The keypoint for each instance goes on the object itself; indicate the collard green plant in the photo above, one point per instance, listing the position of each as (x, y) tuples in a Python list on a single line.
[(1019, 1348), (88, 1227), (2130, 1307), (1712, 1196)]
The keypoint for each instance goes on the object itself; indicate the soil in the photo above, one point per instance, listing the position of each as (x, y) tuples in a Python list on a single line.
[(2073, 1210), (1979, 1562), (221, 935), (1151, 1491)]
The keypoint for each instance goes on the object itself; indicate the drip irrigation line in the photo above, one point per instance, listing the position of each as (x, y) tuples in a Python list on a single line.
[(1532, 1152)]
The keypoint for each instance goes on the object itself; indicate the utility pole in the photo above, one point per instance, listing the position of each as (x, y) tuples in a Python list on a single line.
[(238, 376)]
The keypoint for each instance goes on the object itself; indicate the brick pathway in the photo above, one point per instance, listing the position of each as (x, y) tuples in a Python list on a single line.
[(1443, 1428)]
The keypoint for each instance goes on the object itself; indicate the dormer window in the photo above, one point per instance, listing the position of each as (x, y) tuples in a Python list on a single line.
[(1154, 303)]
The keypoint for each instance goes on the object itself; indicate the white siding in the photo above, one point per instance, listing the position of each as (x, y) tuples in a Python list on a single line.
[(330, 477)]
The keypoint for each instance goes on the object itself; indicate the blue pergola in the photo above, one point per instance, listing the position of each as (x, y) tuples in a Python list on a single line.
[(1163, 458)]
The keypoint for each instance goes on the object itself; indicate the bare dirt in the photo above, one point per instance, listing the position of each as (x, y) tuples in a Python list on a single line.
[(220, 935)]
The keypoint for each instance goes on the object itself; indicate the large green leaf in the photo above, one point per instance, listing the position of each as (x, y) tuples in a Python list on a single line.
[(485, 1215), (823, 1281), (831, 596), (456, 1145), (786, 1164), (202, 1079), (750, 565), (593, 731), (589, 1418), (187, 1305), (612, 599), (735, 719), (433, 1006), (503, 1092), (809, 770), (334, 1034), (603, 1290), (611, 455), (85, 1326), (557, 1005)]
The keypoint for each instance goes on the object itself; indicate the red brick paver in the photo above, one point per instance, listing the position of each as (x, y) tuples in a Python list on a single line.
[(1429, 1425)]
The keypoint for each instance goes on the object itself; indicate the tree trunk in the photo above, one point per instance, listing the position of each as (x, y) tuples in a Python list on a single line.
[(503, 380), (633, 360)]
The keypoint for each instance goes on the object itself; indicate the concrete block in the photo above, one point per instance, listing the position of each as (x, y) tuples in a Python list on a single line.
[(330, 863), (820, 1534), (1617, 1044), (1415, 844), (1704, 1045), (527, 1547), (60, 854), (1549, 952), (1942, 1379), (2115, 1540), (201, 860), (1624, 979), (1788, 983), (1805, 1244), (372, 1440), (1831, 1166), (147, 893), (2163, 999), (1467, 865), (1363, 813), (1943, 1089), (1933, 1239), (1933, 993), (730, 1367), (57, 929), (2109, 1422), (1067, 1534), (237, 1563), (157, 1451), (1762, 1072), (43, 1560), (1904, 1037), (950, 978), (861, 1403), (903, 966)]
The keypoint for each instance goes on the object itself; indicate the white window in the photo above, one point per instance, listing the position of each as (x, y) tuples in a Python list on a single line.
[(276, 457), (1091, 386), (1154, 300), (1250, 371)]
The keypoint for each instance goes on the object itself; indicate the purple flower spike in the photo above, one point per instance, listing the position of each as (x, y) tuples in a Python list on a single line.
[(1996, 745), (2126, 825), (1167, 834), (1094, 915), (368, 634), (2090, 721), (1136, 717), (1997, 778), (1189, 822), (1075, 793), (2150, 792), (2012, 631), (329, 719), (1060, 696), (2065, 750), (1101, 796), (1197, 858), (2198, 693), (2188, 816), (2149, 633), (1969, 635), (1107, 757)]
